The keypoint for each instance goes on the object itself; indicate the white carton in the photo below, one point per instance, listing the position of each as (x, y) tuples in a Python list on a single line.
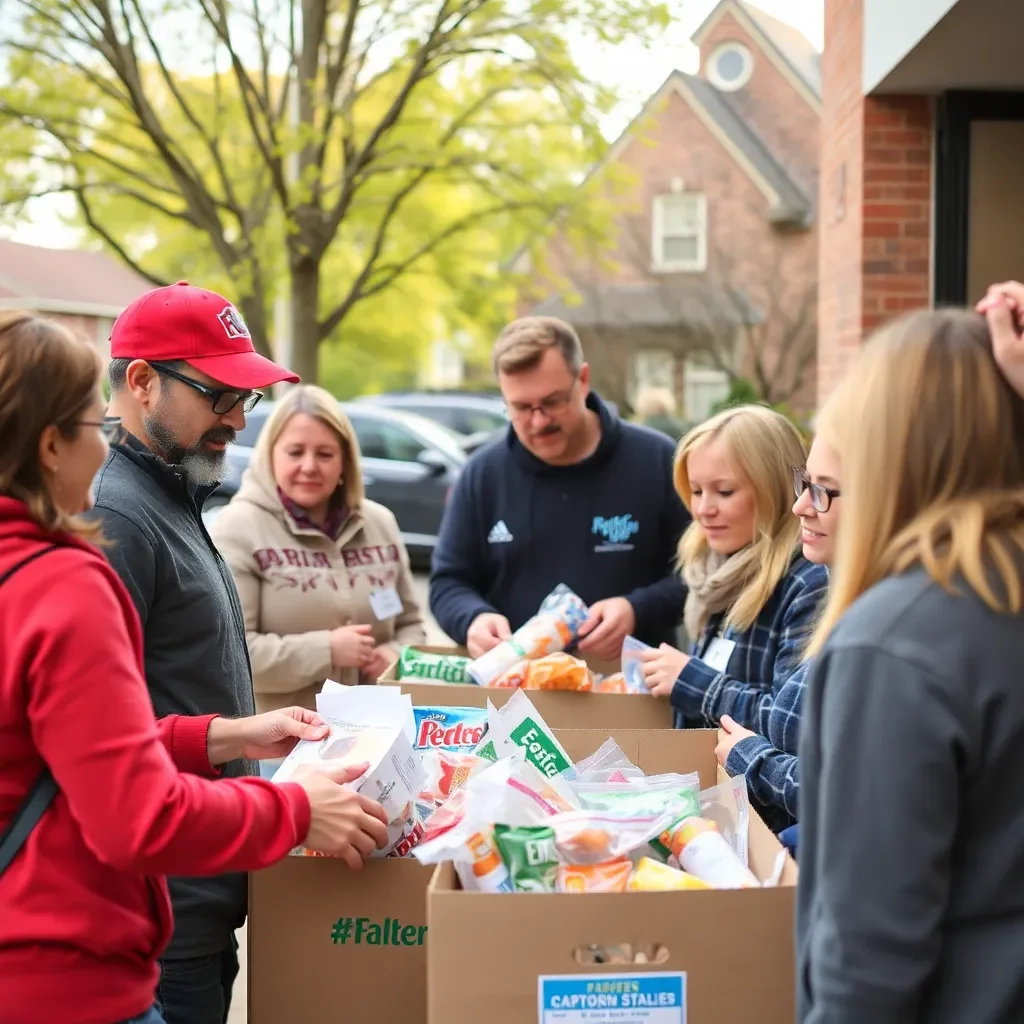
[(393, 779)]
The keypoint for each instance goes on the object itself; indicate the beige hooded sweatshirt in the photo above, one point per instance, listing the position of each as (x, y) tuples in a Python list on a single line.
[(297, 584)]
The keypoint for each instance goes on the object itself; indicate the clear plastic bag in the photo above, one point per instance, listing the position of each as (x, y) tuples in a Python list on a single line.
[(607, 764)]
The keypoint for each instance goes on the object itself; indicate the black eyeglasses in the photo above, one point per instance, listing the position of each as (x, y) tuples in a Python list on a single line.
[(223, 400), (549, 407), (821, 496), (111, 427)]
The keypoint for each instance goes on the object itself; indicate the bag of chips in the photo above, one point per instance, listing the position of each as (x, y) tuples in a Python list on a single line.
[(608, 876), (529, 855), (559, 671)]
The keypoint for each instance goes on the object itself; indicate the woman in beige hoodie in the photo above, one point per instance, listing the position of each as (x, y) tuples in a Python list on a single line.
[(323, 575)]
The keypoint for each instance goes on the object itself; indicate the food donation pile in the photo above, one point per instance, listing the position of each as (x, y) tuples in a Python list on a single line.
[(494, 791), (534, 657)]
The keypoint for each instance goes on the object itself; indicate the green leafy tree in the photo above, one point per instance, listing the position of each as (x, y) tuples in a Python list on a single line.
[(331, 150)]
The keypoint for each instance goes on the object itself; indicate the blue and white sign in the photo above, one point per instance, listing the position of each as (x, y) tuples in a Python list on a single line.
[(612, 998)]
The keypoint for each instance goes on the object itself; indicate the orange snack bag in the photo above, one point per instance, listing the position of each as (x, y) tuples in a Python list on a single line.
[(612, 684), (559, 671), (609, 876)]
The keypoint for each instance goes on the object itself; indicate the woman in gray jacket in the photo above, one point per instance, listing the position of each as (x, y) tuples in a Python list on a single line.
[(911, 902)]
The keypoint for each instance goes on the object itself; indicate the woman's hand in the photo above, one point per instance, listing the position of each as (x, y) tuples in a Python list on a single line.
[(262, 737), (351, 646), (343, 823), (662, 668), (1003, 308), (729, 735), (376, 665)]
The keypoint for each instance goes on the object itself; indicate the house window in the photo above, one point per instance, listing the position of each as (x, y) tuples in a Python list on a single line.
[(704, 386), (730, 66), (680, 232), (651, 368)]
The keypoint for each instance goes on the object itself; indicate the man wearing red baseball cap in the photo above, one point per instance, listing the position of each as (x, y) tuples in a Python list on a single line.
[(183, 373)]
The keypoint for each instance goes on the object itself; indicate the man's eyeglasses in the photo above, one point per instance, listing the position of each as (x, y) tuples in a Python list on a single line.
[(223, 400), (550, 407), (110, 426), (821, 496)]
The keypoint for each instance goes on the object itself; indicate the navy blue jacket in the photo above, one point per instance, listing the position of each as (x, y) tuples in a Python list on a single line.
[(608, 526)]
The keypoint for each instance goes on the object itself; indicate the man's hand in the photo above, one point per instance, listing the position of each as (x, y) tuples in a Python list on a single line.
[(486, 632), (609, 623), (662, 667), (728, 736), (376, 665), (262, 737), (1003, 308)]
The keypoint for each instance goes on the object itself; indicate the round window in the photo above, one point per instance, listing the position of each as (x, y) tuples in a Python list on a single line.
[(730, 66)]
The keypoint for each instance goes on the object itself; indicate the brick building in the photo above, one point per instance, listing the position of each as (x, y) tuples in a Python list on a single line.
[(711, 271), (86, 291), (923, 145)]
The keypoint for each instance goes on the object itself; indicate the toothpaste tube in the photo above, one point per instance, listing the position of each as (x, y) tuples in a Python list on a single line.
[(454, 729)]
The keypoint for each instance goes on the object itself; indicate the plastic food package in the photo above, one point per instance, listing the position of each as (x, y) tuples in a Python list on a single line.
[(444, 772), (558, 671), (633, 665), (455, 729), (674, 794), (652, 876), (519, 724), (477, 861), (529, 854), (555, 626), (607, 764), (444, 668), (615, 683), (592, 837), (609, 876)]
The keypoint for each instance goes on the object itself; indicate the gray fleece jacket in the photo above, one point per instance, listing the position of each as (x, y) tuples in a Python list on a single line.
[(911, 899)]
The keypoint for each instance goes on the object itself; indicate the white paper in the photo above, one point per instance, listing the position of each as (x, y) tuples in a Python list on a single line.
[(369, 705), (386, 603)]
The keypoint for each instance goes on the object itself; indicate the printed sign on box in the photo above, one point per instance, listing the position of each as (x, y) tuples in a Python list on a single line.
[(612, 999)]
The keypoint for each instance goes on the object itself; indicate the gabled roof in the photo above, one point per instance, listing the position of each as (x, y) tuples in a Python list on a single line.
[(70, 281), (785, 43), (791, 204)]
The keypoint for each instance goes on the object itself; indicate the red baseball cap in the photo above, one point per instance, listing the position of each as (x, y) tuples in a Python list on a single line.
[(200, 327)]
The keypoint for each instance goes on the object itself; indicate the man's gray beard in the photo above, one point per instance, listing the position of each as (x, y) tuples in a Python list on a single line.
[(203, 468)]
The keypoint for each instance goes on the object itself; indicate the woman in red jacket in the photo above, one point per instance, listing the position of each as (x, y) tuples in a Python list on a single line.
[(84, 910)]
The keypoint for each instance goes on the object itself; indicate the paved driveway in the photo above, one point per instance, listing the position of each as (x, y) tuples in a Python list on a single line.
[(239, 1008)]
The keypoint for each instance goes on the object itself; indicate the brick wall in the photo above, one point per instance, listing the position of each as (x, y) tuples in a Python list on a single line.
[(875, 200), (771, 104)]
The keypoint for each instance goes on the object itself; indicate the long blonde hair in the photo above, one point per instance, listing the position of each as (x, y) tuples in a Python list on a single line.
[(763, 447), (931, 440), (321, 405)]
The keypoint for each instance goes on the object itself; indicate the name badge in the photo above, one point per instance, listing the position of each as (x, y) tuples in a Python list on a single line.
[(719, 653), (386, 603)]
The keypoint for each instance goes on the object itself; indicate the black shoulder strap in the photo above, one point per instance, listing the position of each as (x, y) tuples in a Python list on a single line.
[(43, 790)]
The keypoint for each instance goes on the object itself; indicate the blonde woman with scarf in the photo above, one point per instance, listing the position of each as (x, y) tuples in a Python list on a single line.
[(752, 597)]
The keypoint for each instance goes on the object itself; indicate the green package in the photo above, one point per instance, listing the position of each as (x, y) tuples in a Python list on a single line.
[(442, 668), (529, 855)]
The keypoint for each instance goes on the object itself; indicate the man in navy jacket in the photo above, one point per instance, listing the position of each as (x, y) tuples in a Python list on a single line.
[(572, 495)]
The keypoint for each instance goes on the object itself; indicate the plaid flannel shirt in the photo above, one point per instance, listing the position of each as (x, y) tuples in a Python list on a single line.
[(764, 658), (769, 761)]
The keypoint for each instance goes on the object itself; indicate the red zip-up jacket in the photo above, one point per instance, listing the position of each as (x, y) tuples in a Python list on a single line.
[(84, 910)]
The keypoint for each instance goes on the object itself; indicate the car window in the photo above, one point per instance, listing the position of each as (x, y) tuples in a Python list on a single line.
[(379, 439), (254, 423), (475, 421)]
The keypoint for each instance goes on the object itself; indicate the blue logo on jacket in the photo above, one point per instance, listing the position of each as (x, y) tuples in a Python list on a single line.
[(614, 532)]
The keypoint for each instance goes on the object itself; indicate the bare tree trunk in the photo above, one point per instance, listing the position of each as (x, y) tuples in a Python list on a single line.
[(255, 317), (305, 275)]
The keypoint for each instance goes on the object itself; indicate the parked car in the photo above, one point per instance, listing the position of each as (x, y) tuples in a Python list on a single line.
[(410, 464), (466, 412)]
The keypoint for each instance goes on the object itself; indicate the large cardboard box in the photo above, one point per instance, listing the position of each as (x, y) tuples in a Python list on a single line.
[(560, 710), (330, 944), (734, 948)]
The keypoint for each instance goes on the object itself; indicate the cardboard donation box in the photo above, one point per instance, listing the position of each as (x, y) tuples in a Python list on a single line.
[(561, 710), (714, 956), (330, 944)]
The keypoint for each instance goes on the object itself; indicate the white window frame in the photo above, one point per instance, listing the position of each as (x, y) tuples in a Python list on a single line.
[(726, 84), (658, 263)]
